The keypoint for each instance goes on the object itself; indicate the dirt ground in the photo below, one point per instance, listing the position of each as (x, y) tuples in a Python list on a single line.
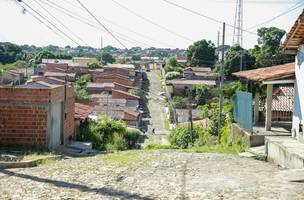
[(151, 175)]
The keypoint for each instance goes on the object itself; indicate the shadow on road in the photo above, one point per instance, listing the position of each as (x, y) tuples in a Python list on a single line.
[(101, 191)]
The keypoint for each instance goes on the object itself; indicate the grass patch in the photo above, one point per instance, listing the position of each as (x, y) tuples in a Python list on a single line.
[(167, 124), (159, 146), (36, 156), (125, 157), (225, 149)]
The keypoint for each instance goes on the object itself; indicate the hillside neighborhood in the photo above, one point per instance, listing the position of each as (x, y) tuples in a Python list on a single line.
[(208, 121)]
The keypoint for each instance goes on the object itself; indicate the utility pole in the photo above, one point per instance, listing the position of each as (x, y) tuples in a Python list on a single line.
[(218, 44), (190, 114), (101, 42), (221, 86)]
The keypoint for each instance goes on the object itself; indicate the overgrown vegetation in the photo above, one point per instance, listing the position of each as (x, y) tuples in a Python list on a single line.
[(109, 134), (81, 87), (180, 102), (135, 91)]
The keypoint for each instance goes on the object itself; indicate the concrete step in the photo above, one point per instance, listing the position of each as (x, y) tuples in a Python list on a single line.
[(257, 153), (286, 152)]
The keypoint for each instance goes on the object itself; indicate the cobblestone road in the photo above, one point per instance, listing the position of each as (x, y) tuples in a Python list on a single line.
[(150, 175)]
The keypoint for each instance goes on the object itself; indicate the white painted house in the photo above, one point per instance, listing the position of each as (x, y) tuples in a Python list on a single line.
[(294, 45)]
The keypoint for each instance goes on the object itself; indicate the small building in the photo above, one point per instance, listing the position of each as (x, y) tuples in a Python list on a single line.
[(39, 114), (183, 115), (83, 61), (71, 77), (179, 86), (11, 77), (199, 73)]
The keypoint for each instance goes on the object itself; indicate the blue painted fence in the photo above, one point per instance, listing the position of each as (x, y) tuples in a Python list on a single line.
[(242, 109)]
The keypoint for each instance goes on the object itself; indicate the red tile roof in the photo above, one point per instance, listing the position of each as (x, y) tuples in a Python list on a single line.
[(295, 37), (82, 111), (268, 73)]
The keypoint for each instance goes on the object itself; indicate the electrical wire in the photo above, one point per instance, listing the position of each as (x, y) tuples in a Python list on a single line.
[(43, 23), (204, 16), (101, 24), (298, 5), (87, 21), (67, 28), (123, 27), (151, 22), (43, 17)]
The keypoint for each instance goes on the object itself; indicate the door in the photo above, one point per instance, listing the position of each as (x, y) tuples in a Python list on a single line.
[(56, 124)]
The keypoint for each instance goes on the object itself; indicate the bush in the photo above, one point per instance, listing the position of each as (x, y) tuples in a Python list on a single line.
[(172, 75), (94, 65), (180, 137), (135, 92), (105, 132), (81, 87), (180, 102), (131, 137)]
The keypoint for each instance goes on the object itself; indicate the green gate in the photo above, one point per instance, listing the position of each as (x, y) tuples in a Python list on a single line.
[(242, 109)]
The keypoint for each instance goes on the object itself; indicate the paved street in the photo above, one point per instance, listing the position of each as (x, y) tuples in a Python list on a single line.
[(151, 175), (156, 105)]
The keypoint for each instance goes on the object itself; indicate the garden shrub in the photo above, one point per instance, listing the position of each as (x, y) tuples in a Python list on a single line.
[(172, 75), (180, 137), (180, 102), (131, 136)]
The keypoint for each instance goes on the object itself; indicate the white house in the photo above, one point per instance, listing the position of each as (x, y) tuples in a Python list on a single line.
[(294, 45)]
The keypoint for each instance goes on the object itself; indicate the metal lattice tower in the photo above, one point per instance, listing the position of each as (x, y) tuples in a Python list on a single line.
[(238, 24)]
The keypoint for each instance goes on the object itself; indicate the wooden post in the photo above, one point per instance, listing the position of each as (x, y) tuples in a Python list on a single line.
[(256, 107), (268, 107)]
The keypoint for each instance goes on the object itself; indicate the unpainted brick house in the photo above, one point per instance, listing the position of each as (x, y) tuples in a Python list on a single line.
[(39, 114)]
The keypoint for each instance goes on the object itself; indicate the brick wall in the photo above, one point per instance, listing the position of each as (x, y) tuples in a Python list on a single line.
[(24, 114), (56, 67)]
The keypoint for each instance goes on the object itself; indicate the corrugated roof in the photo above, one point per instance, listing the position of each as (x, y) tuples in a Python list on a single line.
[(295, 37), (122, 66), (268, 73)]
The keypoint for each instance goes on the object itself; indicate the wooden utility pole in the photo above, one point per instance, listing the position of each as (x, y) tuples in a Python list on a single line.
[(190, 114), (221, 86)]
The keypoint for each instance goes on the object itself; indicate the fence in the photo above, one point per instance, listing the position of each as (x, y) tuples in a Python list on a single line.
[(242, 109)]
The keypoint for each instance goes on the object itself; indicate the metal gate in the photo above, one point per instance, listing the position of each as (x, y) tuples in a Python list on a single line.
[(242, 109)]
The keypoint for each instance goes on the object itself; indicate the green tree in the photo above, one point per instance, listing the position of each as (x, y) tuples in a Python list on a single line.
[(201, 53), (201, 93), (106, 57), (269, 52), (10, 53), (232, 60), (171, 64), (81, 87)]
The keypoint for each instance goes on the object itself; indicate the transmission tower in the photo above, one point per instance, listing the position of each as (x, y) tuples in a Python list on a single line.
[(238, 24)]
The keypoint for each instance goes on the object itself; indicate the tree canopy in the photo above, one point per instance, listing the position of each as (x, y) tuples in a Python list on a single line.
[(106, 57), (10, 53), (201, 53)]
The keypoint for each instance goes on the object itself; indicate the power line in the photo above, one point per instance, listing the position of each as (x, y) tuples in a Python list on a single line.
[(298, 5), (87, 22), (151, 22), (101, 24), (204, 16), (123, 27), (42, 22), (67, 28), (58, 29)]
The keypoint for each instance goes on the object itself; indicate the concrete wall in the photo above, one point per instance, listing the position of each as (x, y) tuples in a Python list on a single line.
[(298, 114), (236, 132)]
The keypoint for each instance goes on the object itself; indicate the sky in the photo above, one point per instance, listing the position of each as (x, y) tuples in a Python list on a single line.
[(168, 26)]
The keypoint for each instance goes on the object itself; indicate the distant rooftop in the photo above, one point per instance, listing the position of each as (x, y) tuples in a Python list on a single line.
[(123, 66), (191, 82)]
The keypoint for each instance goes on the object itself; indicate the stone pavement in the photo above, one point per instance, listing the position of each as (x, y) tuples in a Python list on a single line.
[(151, 175)]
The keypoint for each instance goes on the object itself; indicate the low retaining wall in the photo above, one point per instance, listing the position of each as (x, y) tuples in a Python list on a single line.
[(285, 151), (252, 140), (25, 164)]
